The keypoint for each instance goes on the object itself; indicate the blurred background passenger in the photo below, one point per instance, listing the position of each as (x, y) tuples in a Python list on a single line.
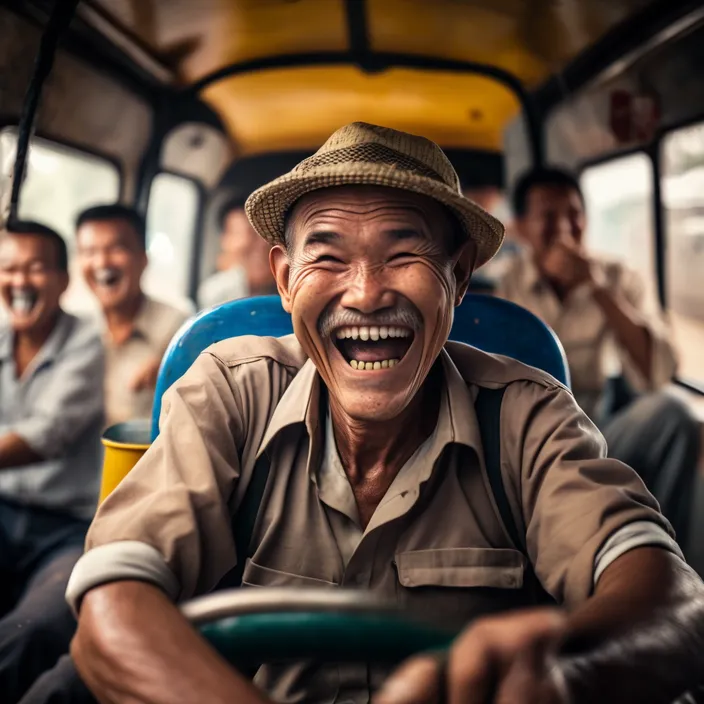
[(112, 255), (51, 416), (494, 200), (618, 345), (243, 260)]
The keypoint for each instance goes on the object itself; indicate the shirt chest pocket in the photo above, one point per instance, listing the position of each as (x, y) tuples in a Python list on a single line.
[(451, 586)]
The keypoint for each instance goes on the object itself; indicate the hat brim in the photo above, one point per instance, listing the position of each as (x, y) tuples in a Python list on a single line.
[(267, 207)]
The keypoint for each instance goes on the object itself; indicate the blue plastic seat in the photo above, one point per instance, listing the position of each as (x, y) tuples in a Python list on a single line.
[(489, 323)]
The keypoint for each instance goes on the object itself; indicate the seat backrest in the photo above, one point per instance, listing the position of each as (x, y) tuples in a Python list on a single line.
[(489, 323)]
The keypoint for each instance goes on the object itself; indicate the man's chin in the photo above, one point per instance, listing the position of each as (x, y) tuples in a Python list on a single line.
[(372, 407)]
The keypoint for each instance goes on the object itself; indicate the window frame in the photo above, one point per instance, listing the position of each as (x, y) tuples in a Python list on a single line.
[(77, 147), (194, 271), (653, 151)]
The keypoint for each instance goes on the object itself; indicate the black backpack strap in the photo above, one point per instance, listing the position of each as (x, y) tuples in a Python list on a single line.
[(244, 520), (488, 410)]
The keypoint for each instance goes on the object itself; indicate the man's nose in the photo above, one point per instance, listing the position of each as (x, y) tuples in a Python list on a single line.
[(101, 260), (563, 228), (19, 278), (368, 292)]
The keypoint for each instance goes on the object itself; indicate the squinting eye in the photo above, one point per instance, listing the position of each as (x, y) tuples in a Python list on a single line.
[(327, 259), (401, 255)]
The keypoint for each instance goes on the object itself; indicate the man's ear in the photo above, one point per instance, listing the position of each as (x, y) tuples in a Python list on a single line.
[(281, 268), (465, 259)]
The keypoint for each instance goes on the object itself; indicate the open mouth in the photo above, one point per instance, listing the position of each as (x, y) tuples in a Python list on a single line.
[(108, 277), (22, 301), (371, 348)]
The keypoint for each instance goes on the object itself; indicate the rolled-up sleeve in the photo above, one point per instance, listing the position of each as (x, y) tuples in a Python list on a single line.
[(171, 512), (571, 497), (71, 399)]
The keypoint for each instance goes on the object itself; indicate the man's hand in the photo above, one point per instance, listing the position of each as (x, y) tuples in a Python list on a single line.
[(507, 659), (566, 264), (146, 377)]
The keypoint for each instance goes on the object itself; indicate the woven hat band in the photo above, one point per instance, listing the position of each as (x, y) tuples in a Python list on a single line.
[(370, 153)]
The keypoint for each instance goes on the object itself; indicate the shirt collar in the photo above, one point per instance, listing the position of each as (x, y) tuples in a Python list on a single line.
[(51, 347), (6, 336), (300, 404)]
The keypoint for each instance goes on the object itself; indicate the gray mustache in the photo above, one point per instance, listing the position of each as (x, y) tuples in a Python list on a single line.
[(402, 316)]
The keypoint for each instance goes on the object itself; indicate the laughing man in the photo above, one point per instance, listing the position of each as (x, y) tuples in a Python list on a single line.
[(51, 412), (367, 417)]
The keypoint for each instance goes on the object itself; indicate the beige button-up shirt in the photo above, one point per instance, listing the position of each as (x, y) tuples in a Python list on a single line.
[(593, 352), (155, 325), (435, 545)]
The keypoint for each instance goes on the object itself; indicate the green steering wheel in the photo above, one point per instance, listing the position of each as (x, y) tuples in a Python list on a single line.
[(249, 627)]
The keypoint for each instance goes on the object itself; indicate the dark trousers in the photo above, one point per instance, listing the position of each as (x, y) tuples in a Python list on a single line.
[(38, 549), (658, 436)]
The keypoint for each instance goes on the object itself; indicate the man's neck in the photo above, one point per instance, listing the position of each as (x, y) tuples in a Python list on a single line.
[(383, 447), (120, 319), (28, 343), (373, 453)]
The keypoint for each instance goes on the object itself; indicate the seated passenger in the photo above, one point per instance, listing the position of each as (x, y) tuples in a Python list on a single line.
[(243, 261), (378, 480), (598, 310), (51, 413), (111, 242)]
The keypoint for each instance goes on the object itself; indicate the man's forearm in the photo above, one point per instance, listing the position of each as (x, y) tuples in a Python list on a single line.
[(15, 452), (643, 644), (630, 333), (133, 645)]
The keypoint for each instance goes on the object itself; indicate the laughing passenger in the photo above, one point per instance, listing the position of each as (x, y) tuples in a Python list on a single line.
[(51, 413), (111, 247), (367, 418)]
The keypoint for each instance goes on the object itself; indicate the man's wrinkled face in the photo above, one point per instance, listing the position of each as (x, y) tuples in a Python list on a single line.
[(112, 260), (371, 277), (553, 214), (31, 283)]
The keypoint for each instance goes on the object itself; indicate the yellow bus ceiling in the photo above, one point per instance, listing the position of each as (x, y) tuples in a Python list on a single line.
[(291, 108), (299, 108)]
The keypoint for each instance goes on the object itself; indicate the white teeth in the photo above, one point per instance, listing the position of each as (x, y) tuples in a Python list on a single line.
[(363, 332), (107, 277), (373, 366), (22, 302)]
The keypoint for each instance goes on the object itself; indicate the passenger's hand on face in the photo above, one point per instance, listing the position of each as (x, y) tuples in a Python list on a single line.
[(566, 264), (145, 378), (506, 659)]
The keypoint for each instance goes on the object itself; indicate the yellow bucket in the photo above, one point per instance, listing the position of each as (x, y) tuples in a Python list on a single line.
[(124, 443)]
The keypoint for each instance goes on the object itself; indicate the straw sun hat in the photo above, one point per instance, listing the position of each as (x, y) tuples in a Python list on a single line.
[(365, 154)]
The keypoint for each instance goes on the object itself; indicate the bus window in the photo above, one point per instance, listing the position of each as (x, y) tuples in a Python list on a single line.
[(683, 201), (618, 197), (60, 183), (174, 202)]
